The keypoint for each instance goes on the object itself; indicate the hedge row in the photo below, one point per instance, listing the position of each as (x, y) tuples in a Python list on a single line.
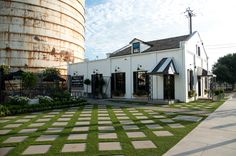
[(19, 109)]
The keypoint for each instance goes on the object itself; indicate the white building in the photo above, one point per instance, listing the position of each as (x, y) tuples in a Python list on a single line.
[(166, 69)]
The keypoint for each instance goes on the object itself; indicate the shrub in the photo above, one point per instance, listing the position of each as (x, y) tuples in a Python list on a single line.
[(87, 82), (4, 110), (44, 99), (219, 92), (18, 100), (191, 93), (61, 96)]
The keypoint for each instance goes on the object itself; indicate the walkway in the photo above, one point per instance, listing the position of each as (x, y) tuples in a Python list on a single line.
[(216, 136)]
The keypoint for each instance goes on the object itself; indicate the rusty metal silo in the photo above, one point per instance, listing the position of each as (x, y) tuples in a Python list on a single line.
[(35, 34)]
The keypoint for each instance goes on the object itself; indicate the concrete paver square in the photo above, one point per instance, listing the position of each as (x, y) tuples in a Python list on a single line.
[(177, 125), (10, 117), (147, 121), (3, 132), (166, 120), (104, 115), (54, 130), (84, 118), (188, 118), (5, 150), (162, 133), (107, 136), (67, 115), (47, 138), (43, 120), (77, 137), (63, 119), (36, 124), (80, 129), (26, 131), (49, 116), (85, 115), (59, 123), (16, 139), (22, 120), (54, 113), (153, 113), (104, 118), (120, 114), (3, 121), (133, 111), (12, 126), (37, 149), (109, 146), (154, 126), (135, 134), (79, 147), (126, 122), (123, 117), (104, 122), (170, 113), (158, 116), (106, 128), (82, 123), (141, 117), (137, 114), (148, 111), (143, 144), (130, 127)]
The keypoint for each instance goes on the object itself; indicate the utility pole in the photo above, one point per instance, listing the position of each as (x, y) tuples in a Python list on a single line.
[(189, 15)]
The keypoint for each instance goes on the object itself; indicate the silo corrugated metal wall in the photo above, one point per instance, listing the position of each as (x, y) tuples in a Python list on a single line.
[(35, 34)]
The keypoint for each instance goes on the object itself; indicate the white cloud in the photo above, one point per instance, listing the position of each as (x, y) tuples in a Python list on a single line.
[(111, 25)]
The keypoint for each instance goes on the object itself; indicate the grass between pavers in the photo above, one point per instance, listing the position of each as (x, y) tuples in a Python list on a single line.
[(207, 105), (163, 143)]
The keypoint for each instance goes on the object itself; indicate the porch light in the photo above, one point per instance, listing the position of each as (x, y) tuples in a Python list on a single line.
[(95, 71), (139, 67), (116, 69)]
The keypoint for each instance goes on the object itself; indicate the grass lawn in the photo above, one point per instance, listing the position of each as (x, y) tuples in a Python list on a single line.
[(94, 114)]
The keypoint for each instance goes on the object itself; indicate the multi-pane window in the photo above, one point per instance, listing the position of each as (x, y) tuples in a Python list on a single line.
[(190, 79), (141, 82), (118, 84), (136, 47)]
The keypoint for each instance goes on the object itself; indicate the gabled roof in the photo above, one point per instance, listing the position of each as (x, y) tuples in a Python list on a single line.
[(165, 66), (156, 45)]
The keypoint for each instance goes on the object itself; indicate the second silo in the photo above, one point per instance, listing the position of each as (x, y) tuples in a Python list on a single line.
[(37, 34)]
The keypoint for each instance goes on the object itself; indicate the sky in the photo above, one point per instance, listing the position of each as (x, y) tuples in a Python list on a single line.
[(112, 24)]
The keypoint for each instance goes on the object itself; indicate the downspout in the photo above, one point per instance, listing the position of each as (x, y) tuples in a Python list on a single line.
[(183, 46)]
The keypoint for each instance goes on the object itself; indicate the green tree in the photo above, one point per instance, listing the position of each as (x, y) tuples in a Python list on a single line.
[(29, 81), (51, 71), (225, 69), (5, 68)]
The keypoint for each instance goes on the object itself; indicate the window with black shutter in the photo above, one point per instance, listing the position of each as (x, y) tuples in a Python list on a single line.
[(141, 83), (118, 84)]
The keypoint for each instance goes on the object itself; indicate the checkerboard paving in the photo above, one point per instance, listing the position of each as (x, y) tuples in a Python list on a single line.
[(77, 123)]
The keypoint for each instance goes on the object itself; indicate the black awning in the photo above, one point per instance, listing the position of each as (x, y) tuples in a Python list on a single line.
[(165, 67), (52, 78), (202, 72), (15, 75)]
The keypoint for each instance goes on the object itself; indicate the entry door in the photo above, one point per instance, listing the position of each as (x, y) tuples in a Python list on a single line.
[(169, 87), (96, 87)]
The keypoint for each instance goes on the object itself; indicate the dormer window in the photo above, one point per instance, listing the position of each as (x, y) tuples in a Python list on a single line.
[(136, 47)]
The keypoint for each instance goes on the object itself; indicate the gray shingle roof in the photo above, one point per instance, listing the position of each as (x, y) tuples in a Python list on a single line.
[(156, 45)]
